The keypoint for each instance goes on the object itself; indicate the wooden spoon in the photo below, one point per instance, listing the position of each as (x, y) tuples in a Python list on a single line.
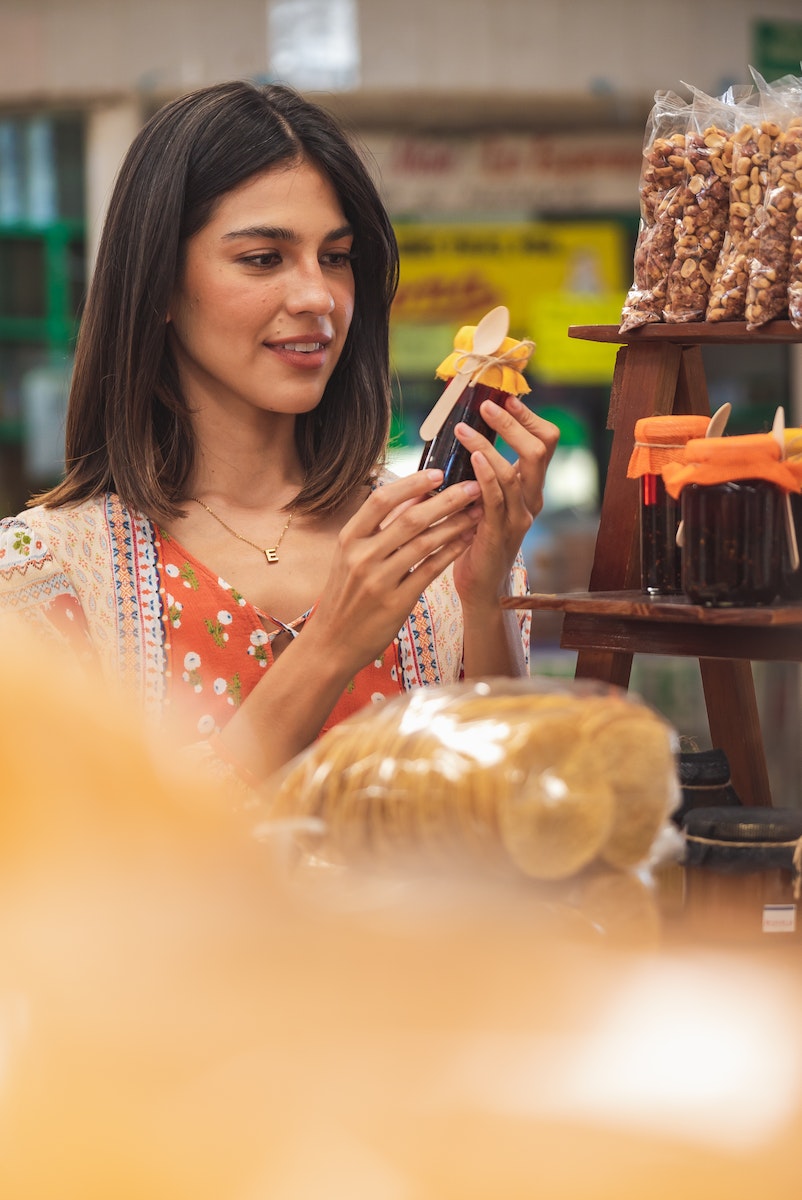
[(715, 429), (778, 429), (487, 337)]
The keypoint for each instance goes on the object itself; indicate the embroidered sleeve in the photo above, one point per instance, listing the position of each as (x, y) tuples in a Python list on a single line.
[(34, 587)]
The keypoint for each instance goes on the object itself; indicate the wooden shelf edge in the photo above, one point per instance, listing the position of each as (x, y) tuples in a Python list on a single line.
[(691, 333), (636, 605)]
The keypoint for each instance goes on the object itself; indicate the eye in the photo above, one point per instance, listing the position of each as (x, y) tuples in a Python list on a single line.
[(338, 258), (266, 258)]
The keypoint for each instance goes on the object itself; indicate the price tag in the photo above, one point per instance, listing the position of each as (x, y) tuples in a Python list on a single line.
[(779, 918)]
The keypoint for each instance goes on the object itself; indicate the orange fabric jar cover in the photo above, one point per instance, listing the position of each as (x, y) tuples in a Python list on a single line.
[(723, 459), (661, 440)]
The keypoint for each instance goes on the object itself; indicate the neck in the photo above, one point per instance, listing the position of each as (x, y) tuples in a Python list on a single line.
[(255, 471)]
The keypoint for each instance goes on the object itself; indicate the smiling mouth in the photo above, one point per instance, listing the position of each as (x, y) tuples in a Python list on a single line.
[(301, 347)]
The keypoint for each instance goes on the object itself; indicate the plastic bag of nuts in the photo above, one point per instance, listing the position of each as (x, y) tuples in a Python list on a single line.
[(662, 171), (795, 273), (767, 296), (700, 207), (751, 149)]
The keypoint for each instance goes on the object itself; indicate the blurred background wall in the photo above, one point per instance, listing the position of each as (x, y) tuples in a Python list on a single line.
[(506, 137)]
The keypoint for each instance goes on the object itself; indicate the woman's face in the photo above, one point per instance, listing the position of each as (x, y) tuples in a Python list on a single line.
[(264, 299)]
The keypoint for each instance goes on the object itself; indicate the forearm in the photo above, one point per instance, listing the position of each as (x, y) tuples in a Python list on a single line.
[(287, 710), (492, 644)]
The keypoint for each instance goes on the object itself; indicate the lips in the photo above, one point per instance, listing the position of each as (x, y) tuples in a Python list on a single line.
[(307, 353), (308, 344)]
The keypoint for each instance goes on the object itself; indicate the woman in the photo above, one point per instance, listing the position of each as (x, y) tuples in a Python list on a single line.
[(225, 538)]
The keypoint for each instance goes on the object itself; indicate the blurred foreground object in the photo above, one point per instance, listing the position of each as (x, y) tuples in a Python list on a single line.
[(547, 777), (181, 1019)]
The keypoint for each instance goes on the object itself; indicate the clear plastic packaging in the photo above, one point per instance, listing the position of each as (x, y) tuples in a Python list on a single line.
[(767, 296), (700, 207), (662, 172), (751, 148), (537, 777)]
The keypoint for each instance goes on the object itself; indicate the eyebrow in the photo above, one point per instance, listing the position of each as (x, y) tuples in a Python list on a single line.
[(277, 233)]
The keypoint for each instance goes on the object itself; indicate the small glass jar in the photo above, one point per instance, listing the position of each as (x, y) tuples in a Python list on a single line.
[(741, 883), (660, 556), (660, 440), (791, 584), (732, 538), (445, 452)]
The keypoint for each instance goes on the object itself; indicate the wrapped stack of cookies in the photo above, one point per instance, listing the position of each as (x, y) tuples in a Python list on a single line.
[(720, 234), (538, 777)]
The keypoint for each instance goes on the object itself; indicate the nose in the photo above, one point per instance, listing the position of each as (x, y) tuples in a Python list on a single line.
[(310, 291)]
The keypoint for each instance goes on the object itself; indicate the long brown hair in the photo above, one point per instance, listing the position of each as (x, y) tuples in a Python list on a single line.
[(128, 427)]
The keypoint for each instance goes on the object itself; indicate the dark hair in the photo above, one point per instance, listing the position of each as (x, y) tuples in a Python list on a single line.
[(128, 426)]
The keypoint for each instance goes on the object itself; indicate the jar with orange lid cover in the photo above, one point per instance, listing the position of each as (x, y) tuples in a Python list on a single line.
[(659, 440), (732, 505)]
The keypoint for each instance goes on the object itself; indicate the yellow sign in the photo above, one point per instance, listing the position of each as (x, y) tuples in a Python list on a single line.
[(549, 275)]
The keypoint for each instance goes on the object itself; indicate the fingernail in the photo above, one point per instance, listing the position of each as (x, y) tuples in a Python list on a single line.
[(435, 476), (471, 489)]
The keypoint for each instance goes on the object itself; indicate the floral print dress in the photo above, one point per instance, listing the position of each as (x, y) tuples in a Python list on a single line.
[(219, 646)]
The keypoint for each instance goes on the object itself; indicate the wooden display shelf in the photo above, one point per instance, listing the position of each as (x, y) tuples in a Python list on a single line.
[(659, 370), (692, 333), (673, 625)]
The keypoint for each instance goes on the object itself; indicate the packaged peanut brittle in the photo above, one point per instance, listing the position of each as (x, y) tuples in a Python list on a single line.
[(795, 270), (751, 149), (767, 296), (700, 207), (662, 171)]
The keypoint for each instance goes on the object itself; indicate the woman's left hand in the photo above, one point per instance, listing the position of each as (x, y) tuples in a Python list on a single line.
[(512, 496)]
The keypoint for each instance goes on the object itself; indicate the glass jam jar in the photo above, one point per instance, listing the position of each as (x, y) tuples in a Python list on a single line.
[(741, 880), (732, 493), (733, 536), (445, 452), (660, 440)]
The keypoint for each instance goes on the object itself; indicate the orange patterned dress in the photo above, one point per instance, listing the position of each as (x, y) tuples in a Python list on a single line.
[(154, 618), (218, 646)]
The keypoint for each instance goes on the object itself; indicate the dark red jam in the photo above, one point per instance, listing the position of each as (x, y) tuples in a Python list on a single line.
[(444, 451), (660, 558), (791, 586), (733, 536)]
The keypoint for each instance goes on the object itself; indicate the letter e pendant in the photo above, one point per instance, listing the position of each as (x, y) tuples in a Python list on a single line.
[(271, 554)]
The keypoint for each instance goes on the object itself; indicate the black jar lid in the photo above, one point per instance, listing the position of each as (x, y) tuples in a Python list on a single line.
[(741, 838), (704, 768)]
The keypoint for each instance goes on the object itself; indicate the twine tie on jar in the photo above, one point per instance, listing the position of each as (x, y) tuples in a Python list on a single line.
[(472, 365), (481, 354), (660, 445), (796, 861)]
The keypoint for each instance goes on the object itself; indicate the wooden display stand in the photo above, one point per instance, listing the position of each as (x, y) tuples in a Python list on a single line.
[(659, 370)]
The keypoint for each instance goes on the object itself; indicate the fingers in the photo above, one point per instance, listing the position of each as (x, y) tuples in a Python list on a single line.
[(404, 523), (530, 436), (524, 431), (382, 503), (405, 507)]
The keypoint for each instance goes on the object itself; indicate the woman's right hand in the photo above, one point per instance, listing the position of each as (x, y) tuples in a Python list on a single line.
[(402, 537)]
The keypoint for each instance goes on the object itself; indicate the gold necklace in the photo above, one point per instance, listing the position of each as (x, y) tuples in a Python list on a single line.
[(270, 552)]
